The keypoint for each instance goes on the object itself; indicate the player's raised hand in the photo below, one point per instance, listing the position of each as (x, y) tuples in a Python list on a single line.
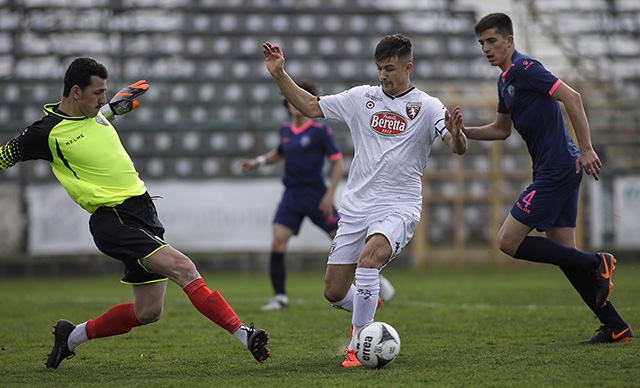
[(455, 139), (124, 101), (273, 57), (453, 121)]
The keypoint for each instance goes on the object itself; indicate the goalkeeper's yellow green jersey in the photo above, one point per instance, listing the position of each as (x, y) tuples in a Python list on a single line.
[(85, 154)]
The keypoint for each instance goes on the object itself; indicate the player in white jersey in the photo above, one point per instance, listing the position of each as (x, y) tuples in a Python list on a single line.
[(392, 136), (392, 126)]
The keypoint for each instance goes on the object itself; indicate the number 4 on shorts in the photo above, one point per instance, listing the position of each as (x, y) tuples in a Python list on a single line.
[(528, 198)]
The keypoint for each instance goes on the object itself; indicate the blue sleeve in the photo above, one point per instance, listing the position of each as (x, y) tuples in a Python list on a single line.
[(280, 146), (502, 107), (329, 143), (532, 75)]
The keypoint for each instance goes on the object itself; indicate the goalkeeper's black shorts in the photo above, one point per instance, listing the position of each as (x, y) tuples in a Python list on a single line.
[(129, 232)]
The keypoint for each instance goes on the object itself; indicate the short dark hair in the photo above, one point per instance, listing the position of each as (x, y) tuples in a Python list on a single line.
[(79, 73), (500, 21), (307, 85), (396, 45)]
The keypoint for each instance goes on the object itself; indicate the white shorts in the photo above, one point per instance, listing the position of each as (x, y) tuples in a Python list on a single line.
[(353, 232)]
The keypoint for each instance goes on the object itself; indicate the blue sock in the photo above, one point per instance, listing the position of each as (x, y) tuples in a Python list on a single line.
[(277, 272), (543, 250), (583, 283)]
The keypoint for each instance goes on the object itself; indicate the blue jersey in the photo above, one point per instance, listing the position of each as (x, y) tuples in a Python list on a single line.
[(525, 93), (304, 150)]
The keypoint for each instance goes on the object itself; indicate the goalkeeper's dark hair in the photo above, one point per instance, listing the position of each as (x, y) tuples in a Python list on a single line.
[(500, 21), (307, 85), (396, 45), (79, 73)]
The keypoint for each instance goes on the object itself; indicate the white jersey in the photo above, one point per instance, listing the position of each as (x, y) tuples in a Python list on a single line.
[(392, 138)]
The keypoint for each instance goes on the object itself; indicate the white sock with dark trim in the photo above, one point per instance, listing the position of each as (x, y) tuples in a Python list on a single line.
[(242, 333), (365, 301), (77, 337), (347, 302)]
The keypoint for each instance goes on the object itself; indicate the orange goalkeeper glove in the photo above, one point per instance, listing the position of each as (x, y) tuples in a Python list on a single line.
[(124, 101)]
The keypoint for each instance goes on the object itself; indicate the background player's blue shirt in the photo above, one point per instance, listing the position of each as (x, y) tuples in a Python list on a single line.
[(304, 150), (525, 93)]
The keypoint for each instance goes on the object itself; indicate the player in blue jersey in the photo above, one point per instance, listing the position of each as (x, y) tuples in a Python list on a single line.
[(528, 98), (304, 144)]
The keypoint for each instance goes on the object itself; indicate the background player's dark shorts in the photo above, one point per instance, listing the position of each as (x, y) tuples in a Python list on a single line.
[(129, 232), (299, 203), (554, 203)]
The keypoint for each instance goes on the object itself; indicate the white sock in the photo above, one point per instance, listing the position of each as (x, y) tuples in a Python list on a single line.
[(365, 301), (352, 342), (77, 337), (346, 303), (366, 298), (242, 333)]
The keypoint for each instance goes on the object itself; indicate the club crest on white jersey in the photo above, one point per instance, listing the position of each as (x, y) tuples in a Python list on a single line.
[(413, 108)]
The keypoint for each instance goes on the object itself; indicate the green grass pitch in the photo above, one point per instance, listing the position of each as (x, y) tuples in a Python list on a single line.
[(504, 327)]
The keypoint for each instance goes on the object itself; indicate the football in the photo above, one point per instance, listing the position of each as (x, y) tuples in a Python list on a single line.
[(377, 344)]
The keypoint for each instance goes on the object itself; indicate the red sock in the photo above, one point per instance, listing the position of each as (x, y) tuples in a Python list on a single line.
[(212, 305), (120, 319)]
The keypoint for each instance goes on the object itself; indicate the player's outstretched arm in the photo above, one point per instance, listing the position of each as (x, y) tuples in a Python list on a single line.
[(498, 130), (125, 100), (304, 101), (455, 138), (270, 157), (10, 154)]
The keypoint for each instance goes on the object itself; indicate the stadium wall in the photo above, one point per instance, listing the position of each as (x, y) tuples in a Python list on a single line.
[(229, 215), (216, 216)]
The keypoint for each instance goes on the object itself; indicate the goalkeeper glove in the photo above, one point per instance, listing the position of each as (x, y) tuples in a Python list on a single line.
[(124, 101)]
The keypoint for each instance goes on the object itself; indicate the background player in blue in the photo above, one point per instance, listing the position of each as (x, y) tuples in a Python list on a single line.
[(304, 144), (528, 97)]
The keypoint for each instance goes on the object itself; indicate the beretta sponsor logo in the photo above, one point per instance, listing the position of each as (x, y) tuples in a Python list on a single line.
[(388, 123)]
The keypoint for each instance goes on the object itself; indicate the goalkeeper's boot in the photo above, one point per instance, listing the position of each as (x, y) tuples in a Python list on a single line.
[(350, 359), (602, 278), (257, 340), (60, 351), (608, 335)]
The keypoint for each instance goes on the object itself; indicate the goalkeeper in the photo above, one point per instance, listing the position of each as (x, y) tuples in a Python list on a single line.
[(77, 139)]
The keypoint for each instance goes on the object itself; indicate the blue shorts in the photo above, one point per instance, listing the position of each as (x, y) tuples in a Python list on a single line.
[(296, 204), (551, 200)]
